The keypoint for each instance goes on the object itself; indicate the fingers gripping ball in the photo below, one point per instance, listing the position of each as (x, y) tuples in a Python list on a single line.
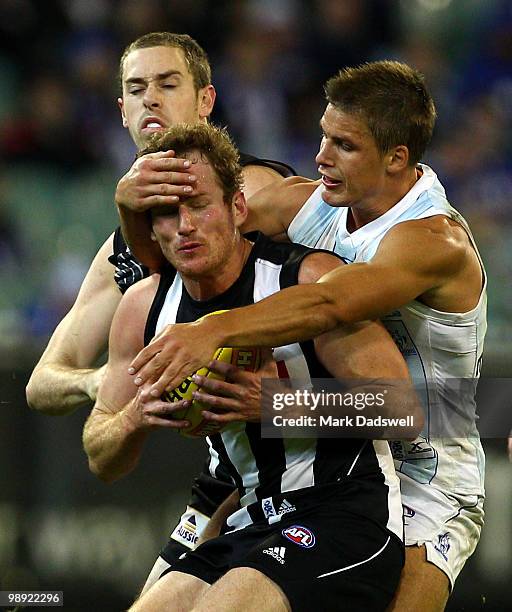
[(243, 358)]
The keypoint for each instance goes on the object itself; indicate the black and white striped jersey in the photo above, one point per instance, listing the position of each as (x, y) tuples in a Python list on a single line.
[(128, 270), (273, 475)]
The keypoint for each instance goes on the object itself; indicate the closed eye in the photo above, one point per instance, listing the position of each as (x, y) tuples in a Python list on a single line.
[(342, 144)]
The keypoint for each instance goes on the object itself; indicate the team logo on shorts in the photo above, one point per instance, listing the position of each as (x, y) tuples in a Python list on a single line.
[(277, 552), (300, 535), (443, 545)]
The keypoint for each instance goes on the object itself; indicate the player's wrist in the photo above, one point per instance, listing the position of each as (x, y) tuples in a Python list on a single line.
[(214, 331)]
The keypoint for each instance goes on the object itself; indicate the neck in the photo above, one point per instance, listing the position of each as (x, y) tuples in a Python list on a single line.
[(222, 277), (361, 214)]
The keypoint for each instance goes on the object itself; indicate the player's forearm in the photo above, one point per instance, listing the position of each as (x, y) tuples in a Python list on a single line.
[(295, 314), (59, 390), (112, 444), (136, 228), (347, 294)]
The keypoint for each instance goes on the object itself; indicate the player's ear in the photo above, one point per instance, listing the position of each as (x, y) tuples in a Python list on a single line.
[(153, 236), (397, 159), (121, 108), (206, 100), (239, 207)]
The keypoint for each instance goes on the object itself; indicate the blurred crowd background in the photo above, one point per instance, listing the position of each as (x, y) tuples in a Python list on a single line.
[(62, 150)]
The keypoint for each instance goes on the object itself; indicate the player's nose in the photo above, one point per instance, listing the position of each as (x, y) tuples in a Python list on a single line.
[(152, 96), (185, 224), (324, 157)]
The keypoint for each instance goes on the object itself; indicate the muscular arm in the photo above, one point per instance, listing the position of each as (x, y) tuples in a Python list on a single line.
[(425, 259), (428, 258), (111, 438), (122, 417), (272, 208), (64, 379), (361, 354), (364, 356)]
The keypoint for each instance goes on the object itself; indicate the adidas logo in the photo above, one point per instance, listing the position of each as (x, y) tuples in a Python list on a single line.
[(286, 507), (277, 552)]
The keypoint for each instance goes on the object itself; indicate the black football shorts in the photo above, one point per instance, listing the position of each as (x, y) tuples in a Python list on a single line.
[(322, 557)]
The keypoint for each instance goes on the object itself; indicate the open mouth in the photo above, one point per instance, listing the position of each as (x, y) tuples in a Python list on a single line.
[(152, 124), (329, 182)]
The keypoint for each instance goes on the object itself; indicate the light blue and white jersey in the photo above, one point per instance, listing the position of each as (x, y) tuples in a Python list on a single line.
[(439, 347)]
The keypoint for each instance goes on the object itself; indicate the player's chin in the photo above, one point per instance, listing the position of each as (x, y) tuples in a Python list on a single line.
[(194, 268), (335, 197), (191, 272)]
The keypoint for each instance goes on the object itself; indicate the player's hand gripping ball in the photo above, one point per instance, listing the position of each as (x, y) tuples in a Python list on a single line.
[(244, 358)]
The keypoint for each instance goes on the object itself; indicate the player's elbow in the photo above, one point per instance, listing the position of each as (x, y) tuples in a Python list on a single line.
[(36, 396), (101, 472), (94, 456), (97, 465), (31, 395), (38, 399)]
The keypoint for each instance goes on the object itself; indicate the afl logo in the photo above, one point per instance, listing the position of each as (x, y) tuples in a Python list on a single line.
[(300, 535)]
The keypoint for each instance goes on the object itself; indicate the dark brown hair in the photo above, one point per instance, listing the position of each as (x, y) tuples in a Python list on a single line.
[(392, 99)]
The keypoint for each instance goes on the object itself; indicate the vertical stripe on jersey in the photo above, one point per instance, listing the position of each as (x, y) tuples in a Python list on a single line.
[(266, 279), (300, 459), (166, 280), (294, 459), (214, 459), (171, 304), (238, 449), (215, 442)]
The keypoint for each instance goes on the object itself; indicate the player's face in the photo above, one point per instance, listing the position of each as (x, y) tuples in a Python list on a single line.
[(158, 92), (352, 168), (199, 236)]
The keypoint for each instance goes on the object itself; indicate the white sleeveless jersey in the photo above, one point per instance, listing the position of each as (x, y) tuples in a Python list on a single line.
[(437, 346)]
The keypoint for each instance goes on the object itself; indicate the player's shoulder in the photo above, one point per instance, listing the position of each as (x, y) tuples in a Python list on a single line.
[(299, 184), (434, 243), (147, 285), (316, 264), (440, 230), (259, 173), (138, 297)]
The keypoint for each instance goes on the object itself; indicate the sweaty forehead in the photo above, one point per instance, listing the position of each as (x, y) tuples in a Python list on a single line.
[(151, 62), (207, 180)]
